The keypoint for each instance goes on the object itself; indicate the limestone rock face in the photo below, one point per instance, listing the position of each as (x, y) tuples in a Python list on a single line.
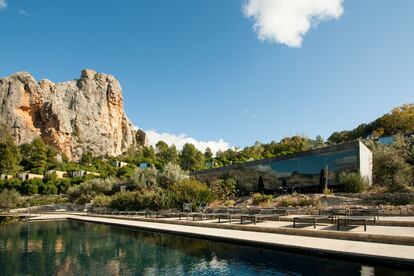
[(76, 116)]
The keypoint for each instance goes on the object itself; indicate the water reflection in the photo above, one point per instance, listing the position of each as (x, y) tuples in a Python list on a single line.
[(71, 248), (302, 172)]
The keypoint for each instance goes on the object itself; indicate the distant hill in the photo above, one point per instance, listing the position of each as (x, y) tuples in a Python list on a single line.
[(77, 116), (399, 121)]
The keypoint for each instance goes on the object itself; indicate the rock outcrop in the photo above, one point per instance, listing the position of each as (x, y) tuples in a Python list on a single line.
[(76, 116)]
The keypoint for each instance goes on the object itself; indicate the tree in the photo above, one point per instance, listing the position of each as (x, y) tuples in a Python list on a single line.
[(289, 145), (9, 199), (172, 173), (190, 191), (353, 182), (165, 154), (35, 156), (144, 178), (31, 187), (399, 121), (190, 158), (48, 189), (208, 155), (9, 153), (319, 142), (88, 190), (87, 158), (338, 137), (134, 155), (126, 171), (161, 146), (390, 168), (104, 167), (223, 189), (149, 154)]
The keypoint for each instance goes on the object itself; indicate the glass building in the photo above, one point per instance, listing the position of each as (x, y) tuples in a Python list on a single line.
[(307, 171)]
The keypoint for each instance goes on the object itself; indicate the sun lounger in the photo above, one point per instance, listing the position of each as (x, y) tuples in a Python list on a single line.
[(260, 215), (375, 212), (206, 213), (355, 220), (219, 212), (187, 210), (231, 214), (162, 214), (286, 211), (310, 219), (336, 213)]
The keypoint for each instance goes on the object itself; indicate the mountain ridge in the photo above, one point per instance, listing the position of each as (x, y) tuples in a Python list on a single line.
[(76, 116)]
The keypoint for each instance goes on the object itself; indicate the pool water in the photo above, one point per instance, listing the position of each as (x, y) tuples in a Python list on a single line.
[(76, 248)]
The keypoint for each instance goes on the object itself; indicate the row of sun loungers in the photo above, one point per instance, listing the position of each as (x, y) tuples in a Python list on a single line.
[(342, 216), (253, 215), (120, 213), (225, 214)]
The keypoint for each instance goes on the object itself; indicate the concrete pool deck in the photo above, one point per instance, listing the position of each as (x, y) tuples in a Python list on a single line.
[(393, 254)]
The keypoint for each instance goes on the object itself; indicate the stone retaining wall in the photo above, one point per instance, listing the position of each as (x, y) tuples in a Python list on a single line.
[(382, 198)]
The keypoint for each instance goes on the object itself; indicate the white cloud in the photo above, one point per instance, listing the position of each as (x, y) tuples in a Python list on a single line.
[(181, 139), (23, 12), (287, 21), (3, 4)]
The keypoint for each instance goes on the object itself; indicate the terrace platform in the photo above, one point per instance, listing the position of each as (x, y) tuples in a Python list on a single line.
[(351, 243)]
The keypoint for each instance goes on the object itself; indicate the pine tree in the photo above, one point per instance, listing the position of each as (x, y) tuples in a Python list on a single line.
[(38, 156), (9, 153)]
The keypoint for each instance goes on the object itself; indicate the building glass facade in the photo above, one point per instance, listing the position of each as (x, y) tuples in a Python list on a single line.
[(305, 172)]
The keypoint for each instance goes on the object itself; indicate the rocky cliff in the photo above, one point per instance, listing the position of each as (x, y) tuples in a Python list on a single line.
[(76, 116)]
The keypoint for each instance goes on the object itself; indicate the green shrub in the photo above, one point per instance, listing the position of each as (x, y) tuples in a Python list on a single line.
[(48, 189), (391, 169), (63, 185), (88, 190), (172, 173), (126, 171), (13, 183), (127, 201), (102, 201), (288, 201), (297, 200), (262, 199), (189, 191), (153, 199), (223, 189), (31, 187), (353, 182), (144, 178), (9, 199), (38, 200)]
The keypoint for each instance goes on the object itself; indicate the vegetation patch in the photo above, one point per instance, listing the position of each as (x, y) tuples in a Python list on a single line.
[(353, 182), (297, 200)]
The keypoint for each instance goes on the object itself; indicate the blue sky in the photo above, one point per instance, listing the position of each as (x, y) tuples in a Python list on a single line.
[(198, 67)]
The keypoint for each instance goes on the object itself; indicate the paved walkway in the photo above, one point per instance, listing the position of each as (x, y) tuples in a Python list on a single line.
[(386, 252), (336, 247)]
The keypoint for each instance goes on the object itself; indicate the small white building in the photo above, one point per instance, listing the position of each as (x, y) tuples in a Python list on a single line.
[(59, 174), (82, 173), (6, 176), (27, 176), (119, 164)]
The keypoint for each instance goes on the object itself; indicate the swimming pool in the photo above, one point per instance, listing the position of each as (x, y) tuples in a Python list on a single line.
[(77, 248)]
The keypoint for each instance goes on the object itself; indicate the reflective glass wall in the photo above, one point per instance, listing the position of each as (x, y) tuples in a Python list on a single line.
[(304, 172)]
